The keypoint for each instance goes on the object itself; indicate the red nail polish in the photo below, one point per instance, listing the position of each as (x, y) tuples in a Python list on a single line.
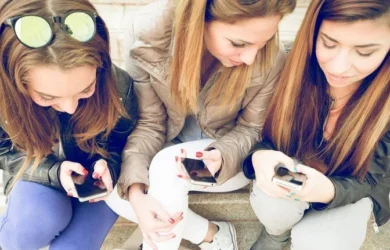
[(172, 221), (176, 158), (180, 176), (85, 172), (95, 175), (91, 201), (199, 154)]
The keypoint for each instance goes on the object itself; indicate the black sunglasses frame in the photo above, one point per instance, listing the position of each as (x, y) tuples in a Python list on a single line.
[(52, 21)]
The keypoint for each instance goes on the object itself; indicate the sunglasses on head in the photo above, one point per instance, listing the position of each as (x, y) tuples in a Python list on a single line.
[(36, 32)]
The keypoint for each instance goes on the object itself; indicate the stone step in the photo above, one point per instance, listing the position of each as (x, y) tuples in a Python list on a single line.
[(247, 233)]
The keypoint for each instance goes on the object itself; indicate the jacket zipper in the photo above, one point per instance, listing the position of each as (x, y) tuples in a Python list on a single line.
[(374, 224)]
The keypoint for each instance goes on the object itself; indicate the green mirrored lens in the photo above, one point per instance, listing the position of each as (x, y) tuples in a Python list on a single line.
[(33, 31), (80, 26)]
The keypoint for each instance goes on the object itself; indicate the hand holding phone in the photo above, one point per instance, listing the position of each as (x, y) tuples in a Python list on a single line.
[(285, 178), (198, 173), (194, 170), (88, 188)]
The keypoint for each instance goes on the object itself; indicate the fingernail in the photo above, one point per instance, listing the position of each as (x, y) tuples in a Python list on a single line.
[(182, 151), (172, 221), (180, 176), (85, 172), (69, 194), (297, 199), (199, 154), (287, 195), (292, 193), (176, 158), (295, 169), (95, 175), (174, 236), (96, 184), (91, 201)]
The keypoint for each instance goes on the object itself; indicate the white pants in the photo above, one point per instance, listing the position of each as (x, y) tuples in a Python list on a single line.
[(172, 192), (341, 228)]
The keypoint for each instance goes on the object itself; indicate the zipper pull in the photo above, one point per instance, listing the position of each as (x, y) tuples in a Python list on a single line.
[(376, 228)]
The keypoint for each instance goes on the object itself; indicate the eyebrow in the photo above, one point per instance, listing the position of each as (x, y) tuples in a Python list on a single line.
[(90, 85), (357, 46)]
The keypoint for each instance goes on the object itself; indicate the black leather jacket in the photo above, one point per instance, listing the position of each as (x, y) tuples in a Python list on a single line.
[(375, 185), (47, 172)]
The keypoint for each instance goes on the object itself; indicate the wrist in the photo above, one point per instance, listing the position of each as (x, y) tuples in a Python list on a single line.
[(331, 192), (256, 159), (136, 190)]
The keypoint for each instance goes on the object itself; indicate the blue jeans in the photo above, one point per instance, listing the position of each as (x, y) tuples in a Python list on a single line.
[(38, 216)]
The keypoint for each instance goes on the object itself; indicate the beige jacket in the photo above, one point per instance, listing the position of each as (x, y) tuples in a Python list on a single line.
[(148, 44)]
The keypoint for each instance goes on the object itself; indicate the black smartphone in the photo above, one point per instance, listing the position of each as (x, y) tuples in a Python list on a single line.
[(288, 179), (88, 188), (198, 173)]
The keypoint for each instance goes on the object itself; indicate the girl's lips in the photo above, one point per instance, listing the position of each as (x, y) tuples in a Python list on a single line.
[(337, 79), (234, 63)]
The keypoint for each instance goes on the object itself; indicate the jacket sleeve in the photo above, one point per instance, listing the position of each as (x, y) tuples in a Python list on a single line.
[(11, 161), (150, 133), (350, 189), (247, 166), (236, 144), (118, 136)]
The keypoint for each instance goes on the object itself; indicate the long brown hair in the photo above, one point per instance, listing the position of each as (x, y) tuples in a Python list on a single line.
[(294, 118), (32, 128), (190, 18)]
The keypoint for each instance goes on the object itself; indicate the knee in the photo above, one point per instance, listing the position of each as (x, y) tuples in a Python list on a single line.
[(163, 167), (275, 211), (34, 222)]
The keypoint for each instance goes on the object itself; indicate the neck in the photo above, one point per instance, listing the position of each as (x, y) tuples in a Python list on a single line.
[(340, 96)]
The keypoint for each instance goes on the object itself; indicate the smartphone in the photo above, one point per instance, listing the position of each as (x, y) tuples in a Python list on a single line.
[(288, 179), (198, 173), (88, 188)]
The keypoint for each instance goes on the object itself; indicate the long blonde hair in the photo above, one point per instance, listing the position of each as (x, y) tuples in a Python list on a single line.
[(190, 18), (30, 127), (294, 118)]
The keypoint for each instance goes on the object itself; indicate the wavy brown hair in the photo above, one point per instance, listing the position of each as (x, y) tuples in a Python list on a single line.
[(190, 18), (32, 128), (294, 118)]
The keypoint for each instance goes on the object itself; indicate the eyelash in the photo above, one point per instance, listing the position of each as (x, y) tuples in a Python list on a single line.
[(238, 45), (327, 46), (43, 99), (332, 47), (364, 55)]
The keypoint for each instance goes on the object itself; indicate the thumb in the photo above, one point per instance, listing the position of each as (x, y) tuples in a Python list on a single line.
[(304, 169), (213, 155)]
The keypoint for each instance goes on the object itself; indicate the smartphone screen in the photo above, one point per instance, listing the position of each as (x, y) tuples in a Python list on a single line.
[(87, 187), (198, 172)]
